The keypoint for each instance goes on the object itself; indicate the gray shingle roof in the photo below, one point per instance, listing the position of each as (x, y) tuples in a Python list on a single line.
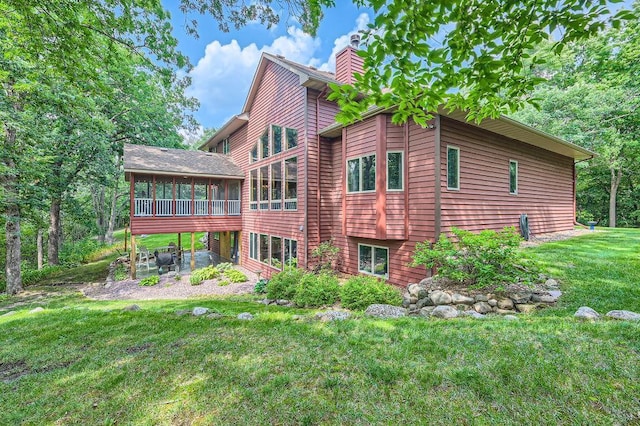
[(168, 161)]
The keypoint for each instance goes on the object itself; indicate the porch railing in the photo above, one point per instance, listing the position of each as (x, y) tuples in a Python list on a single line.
[(201, 208), (164, 207), (233, 207), (217, 207), (183, 207), (143, 207)]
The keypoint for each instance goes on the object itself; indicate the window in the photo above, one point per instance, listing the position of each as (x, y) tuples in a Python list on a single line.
[(276, 252), (254, 154), (253, 190), (453, 167), (292, 138), (201, 198), (216, 236), (361, 174), (217, 201), (164, 196), (276, 139), (291, 183), (276, 186), (290, 252), (373, 260), (183, 197), (395, 171), (264, 248), (264, 188), (253, 246), (226, 148), (513, 177), (264, 144)]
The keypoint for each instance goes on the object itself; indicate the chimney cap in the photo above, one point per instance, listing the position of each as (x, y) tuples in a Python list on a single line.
[(355, 40)]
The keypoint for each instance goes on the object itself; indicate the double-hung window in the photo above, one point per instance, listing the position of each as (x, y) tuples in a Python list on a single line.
[(361, 174), (373, 260), (395, 171), (453, 167)]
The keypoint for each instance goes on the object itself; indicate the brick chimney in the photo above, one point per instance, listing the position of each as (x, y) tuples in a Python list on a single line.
[(348, 62)]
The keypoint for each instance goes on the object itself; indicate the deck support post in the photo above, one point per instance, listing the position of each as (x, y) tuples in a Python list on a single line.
[(193, 251), (133, 257), (179, 254)]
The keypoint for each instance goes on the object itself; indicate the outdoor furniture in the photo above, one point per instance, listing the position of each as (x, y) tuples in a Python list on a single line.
[(143, 256)]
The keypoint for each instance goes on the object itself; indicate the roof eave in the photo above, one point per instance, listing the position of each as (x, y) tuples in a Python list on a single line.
[(177, 173), (234, 123)]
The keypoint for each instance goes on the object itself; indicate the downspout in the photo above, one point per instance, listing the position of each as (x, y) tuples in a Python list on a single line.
[(306, 178), (575, 183), (318, 195)]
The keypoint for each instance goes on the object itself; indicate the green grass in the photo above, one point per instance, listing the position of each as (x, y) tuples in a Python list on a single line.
[(162, 240), (87, 362)]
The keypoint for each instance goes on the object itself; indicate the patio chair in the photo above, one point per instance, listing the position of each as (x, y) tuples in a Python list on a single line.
[(143, 256)]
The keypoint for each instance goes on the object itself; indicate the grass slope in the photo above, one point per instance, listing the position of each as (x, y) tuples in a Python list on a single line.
[(86, 362)]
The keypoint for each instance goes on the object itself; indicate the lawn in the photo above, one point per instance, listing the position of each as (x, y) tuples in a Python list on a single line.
[(87, 362), (162, 240)]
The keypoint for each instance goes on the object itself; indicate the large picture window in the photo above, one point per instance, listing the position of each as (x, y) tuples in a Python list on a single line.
[(453, 167), (373, 260), (292, 138), (361, 174), (513, 177), (291, 183), (395, 171)]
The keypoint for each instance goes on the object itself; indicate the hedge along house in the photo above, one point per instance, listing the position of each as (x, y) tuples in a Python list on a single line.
[(375, 188)]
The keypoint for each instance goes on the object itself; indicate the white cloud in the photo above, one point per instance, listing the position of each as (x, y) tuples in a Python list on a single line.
[(222, 77)]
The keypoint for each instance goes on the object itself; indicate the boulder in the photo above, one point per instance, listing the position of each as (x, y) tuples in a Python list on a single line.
[(482, 307), (492, 302), (427, 310), (505, 304), (215, 315), (551, 284), (445, 312), (245, 316), (413, 290), (39, 309), (440, 298), (459, 299), (586, 313), (428, 283), (282, 302), (332, 316), (510, 317), (624, 315), (424, 302), (520, 297), (505, 311), (183, 311), (385, 311), (473, 314), (198, 311), (526, 308), (266, 301), (8, 314), (543, 298), (131, 308), (481, 298), (406, 300)]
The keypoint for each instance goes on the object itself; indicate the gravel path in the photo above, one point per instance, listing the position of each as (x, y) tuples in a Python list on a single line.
[(535, 240), (167, 288)]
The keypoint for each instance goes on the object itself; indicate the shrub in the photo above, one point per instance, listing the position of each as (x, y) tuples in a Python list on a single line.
[(120, 273), (224, 283), (362, 290), (235, 276), (34, 276), (261, 286), (478, 260), (283, 284), (224, 267), (75, 252), (317, 290), (149, 281), (200, 275), (325, 256)]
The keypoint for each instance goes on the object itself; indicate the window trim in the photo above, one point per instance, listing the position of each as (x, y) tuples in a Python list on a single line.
[(373, 255), (516, 177), (284, 186), (457, 149), (361, 174), (253, 246), (401, 171), (271, 237)]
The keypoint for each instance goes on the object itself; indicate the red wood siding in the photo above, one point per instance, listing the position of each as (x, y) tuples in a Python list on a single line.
[(172, 225), (280, 100), (347, 63), (545, 183)]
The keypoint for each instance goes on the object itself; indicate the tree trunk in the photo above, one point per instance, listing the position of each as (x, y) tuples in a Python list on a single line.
[(12, 214), (616, 177), (39, 245), (114, 213), (54, 232), (97, 197)]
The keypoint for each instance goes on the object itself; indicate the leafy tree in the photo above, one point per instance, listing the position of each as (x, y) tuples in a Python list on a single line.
[(467, 54)]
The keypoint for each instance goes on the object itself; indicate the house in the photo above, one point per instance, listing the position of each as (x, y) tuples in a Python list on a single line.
[(282, 176)]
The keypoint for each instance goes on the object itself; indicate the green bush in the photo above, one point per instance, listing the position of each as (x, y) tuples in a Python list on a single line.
[(120, 273), (235, 276), (149, 281), (477, 260), (325, 256), (224, 283), (362, 290), (74, 253), (206, 273), (34, 276), (261, 286), (317, 290), (283, 284), (224, 267)]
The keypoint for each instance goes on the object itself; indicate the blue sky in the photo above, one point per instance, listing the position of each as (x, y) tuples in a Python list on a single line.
[(224, 63)]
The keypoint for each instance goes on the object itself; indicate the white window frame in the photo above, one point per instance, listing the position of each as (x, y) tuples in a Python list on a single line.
[(260, 259), (226, 147), (361, 174), (289, 202), (373, 256), (253, 246), (401, 171), (290, 245), (516, 177), (457, 149), (271, 237)]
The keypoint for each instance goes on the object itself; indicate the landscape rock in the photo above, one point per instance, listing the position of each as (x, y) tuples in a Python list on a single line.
[(298, 317), (332, 316), (458, 299), (131, 308), (35, 310), (474, 314), (440, 298), (624, 315), (246, 316), (482, 307), (265, 301), (543, 298), (197, 311), (492, 302), (445, 312), (505, 304), (413, 289), (520, 297), (412, 307), (427, 310), (586, 313), (505, 311), (215, 315), (428, 283), (481, 298), (406, 300), (183, 312), (8, 314), (282, 302), (424, 302), (551, 284), (526, 308), (510, 317), (385, 311)]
